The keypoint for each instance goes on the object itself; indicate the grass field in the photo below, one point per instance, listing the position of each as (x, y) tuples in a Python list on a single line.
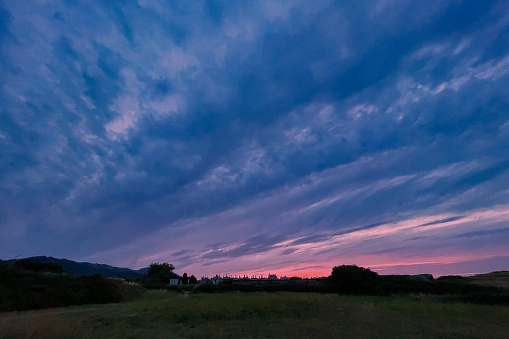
[(165, 314)]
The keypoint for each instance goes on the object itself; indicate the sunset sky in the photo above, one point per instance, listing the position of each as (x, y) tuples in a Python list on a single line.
[(256, 137)]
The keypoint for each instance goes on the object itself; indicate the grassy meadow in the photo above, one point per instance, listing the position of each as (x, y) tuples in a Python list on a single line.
[(169, 314)]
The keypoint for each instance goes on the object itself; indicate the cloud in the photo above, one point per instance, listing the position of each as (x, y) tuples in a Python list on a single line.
[(441, 221), (150, 131)]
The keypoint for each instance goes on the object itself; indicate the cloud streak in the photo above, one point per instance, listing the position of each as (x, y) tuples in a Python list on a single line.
[(282, 136)]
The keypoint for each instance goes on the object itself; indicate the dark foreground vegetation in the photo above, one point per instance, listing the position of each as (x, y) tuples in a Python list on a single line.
[(168, 314), (351, 302), (29, 284), (350, 279), (159, 275)]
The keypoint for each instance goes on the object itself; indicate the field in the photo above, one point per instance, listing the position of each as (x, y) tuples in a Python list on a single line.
[(498, 279), (168, 314)]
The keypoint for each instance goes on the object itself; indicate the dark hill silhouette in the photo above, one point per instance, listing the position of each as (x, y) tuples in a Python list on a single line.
[(89, 269)]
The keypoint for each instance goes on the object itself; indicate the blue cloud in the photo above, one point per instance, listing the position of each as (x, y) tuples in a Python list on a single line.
[(126, 119), (5, 17), (441, 221)]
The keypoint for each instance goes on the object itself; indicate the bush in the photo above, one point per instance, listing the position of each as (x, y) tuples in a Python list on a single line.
[(158, 276), (22, 289), (402, 284), (353, 279), (157, 268)]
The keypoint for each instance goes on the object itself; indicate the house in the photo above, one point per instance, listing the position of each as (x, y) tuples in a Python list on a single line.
[(216, 280)]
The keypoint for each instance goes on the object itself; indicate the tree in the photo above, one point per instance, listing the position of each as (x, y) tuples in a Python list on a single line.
[(158, 275), (193, 280), (353, 279), (185, 279), (156, 268)]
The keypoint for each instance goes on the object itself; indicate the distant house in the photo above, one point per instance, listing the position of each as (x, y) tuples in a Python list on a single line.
[(272, 277), (211, 281), (216, 280), (174, 282)]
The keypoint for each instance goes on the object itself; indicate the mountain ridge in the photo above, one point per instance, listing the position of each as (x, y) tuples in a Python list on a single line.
[(89, 269)]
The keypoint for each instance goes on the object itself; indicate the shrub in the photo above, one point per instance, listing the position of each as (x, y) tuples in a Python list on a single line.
[(353, 279), (22, 289), (158, 276)]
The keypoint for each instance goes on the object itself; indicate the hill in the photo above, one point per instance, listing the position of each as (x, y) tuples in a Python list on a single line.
[(28, 284), (498, 279), (89, 269)]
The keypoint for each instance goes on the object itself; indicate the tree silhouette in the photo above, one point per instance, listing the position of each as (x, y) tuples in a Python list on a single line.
[(156, 268), (158, 275), (353, 279), (185, 279)]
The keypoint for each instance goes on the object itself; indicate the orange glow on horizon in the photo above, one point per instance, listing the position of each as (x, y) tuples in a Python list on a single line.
[(382, 264)]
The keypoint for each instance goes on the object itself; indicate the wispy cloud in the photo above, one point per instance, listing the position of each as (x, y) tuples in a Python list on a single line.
[(296, 135)]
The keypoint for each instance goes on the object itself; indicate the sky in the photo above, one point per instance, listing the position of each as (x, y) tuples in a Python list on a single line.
[(256, 137)]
